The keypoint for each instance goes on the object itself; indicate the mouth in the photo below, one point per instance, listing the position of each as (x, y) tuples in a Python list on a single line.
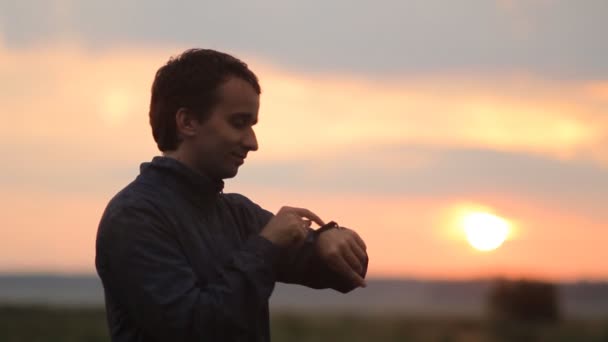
[(240, 158)]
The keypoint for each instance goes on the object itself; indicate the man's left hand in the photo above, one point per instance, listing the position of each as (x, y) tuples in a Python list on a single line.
[(344, 252)]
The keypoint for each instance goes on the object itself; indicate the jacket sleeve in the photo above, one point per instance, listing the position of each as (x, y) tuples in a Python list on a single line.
[(301, 266), (141, 265)]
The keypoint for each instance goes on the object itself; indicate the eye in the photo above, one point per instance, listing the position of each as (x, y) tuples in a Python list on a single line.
[(239, 122), (242, 120)]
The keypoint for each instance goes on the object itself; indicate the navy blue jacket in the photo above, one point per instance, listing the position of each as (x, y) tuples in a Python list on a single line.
[(181, 261)]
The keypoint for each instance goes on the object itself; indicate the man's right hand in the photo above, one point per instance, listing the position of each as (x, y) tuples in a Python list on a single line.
[(290, 226)]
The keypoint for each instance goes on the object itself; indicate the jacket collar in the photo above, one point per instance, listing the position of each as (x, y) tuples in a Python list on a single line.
[(185, 178)]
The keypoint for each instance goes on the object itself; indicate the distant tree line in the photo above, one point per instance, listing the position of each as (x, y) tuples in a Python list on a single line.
[(524, 300)]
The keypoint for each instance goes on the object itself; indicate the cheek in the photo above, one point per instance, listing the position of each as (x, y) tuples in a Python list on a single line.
[(219, 138), (229, 137), (219, 147)]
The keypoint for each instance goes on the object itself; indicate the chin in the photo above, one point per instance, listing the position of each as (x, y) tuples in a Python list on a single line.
[(230, 173)]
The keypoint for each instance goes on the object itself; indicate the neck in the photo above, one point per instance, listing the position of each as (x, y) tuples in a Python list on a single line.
[(182, 158), (184, 175), (185, 159)]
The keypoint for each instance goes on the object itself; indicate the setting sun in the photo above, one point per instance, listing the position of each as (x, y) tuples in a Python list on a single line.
[(484, 231)]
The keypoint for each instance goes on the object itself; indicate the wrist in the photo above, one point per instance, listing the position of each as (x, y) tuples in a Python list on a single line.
[(328, 226)]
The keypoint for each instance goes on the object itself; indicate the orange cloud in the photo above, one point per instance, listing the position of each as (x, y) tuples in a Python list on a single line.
[(48, 232), (94, 106), (519, 114)]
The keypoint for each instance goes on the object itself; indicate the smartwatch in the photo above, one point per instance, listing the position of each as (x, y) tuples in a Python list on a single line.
[(326, 227)]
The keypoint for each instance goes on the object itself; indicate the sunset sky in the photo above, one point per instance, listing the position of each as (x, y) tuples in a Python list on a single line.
[(391, 117)]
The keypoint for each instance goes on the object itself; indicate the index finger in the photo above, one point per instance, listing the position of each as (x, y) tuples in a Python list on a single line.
[(345, 269), (309, 215)]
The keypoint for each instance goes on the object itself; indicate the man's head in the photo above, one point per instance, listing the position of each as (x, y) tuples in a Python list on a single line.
[(203, 107)]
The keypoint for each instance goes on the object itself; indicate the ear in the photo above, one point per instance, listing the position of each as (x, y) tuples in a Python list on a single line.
[(185, 123)]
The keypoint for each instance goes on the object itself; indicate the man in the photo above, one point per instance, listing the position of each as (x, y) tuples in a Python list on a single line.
[(182, 261)]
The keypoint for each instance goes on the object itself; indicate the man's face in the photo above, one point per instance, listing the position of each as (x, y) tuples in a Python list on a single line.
[(223, 139)]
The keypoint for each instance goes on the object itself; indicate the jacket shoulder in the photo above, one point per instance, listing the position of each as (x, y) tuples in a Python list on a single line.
[(239, 200), (137, 199)]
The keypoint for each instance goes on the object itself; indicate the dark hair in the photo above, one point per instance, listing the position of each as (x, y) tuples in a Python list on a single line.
[(190, 81)]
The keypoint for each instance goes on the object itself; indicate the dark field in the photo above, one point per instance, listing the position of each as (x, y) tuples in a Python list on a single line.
[(19, 323)]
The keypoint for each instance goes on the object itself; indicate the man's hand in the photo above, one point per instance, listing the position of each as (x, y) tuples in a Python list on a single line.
[(344, 252), (289, 226)]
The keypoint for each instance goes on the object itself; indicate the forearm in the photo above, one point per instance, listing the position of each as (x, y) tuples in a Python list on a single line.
[(304, 266)]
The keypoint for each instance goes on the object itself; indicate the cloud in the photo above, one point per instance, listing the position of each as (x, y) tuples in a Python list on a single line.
[(423, 172), (48, 232), (70, 115), (549, 39), (508, 114)]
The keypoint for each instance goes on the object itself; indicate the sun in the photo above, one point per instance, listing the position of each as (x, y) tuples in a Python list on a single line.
[(484, 231), (116, 105)]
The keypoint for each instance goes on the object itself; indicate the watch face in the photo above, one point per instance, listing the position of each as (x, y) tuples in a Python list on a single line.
[(327, 226)]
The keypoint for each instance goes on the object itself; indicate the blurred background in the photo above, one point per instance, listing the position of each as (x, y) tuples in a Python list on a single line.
[(466, 142)]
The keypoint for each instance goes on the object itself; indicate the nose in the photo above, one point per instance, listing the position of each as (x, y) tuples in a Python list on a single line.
[(250, 142)]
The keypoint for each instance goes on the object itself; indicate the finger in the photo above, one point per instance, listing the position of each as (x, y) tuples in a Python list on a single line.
[(301, 239), (298, 220), (360, 253), (309, 215), (344, 269), (352, 259), (358, 239), (307, 223), (305, 231)]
